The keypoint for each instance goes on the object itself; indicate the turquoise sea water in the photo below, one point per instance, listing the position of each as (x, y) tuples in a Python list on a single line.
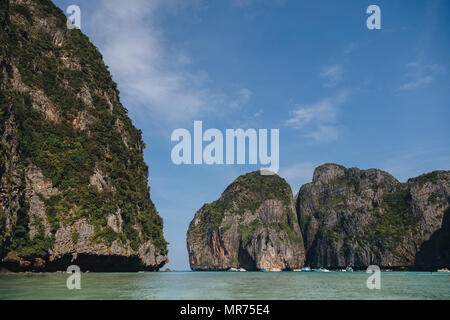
[(226, 285)]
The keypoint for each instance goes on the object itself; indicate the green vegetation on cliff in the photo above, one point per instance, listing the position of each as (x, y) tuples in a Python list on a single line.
[(247, 193), (49, 132), (362, 217), (266, 187), (394, 219), (252, 225)]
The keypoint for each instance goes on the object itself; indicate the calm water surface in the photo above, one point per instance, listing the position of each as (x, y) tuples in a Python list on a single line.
[(226, 285)]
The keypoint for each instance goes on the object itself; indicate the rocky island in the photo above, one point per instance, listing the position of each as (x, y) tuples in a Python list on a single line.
[(252, 226), (347, 217), (73, 182), (353, 217)]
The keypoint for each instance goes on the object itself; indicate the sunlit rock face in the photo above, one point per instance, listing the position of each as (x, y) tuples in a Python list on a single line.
[(252, 226)]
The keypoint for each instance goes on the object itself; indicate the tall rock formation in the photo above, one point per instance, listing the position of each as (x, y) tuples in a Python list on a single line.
[(253, 226), (353, 217), (73, 182)]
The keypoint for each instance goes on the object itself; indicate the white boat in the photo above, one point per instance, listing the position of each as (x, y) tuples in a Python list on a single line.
[(275, 270), (443, 270), (297, 270), (306, 269), (322, 270), (237, 270)]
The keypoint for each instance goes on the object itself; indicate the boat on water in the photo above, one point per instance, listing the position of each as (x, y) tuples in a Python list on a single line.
[(275, 270), (306, 269), (237, 270), (297, 270), (443, 270), (321, 270), (348, 269)]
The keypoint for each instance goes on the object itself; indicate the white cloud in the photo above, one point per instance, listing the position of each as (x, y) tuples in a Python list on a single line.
[(318, 120), (417, 83), (321, 111), (332, 74), (325, 133), (421, 75), (438, 69), (149, 71)]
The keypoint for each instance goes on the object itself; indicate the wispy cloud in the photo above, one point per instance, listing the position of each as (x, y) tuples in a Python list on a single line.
[(318, 120), (150, 71), (332, 74), (325, 133), (417, 83), (298, 174), (349, 48), (421, 75), (243, 97)]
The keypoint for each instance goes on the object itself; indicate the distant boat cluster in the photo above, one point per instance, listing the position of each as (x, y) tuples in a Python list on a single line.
[(305, 269), (308, 269)]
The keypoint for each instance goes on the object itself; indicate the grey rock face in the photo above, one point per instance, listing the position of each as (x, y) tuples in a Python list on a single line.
[(38, 186), (353, 217), (73, 182), (252, 226)]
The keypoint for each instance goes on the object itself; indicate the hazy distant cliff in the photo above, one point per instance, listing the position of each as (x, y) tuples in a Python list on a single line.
[(73, 182), (362, 217), (253, 226)]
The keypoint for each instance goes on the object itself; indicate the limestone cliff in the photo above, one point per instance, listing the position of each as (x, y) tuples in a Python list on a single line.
[(73, 182), (253, 226), (353, 217)]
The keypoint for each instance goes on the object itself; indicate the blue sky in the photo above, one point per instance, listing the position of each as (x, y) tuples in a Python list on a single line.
[(337, 91)]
